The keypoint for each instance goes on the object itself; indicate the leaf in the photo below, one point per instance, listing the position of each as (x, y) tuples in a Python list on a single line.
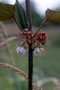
[(7, 11), (53, 16), (21, 16)]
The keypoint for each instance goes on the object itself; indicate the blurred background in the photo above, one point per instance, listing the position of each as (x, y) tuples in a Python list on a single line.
[(47, 65)]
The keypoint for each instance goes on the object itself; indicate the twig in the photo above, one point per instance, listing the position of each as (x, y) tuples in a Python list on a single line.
[(11, 58), (19, 71), (46, 19), (8, 66), (22, 73), (42, 24), (7, 44), (3, 43)]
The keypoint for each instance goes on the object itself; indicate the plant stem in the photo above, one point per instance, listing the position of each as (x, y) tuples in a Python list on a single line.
[(30, 53), (19, 71), (30, 65), (42, 24)]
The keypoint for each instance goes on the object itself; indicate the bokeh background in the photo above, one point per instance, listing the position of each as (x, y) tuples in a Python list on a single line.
[(46, 66)]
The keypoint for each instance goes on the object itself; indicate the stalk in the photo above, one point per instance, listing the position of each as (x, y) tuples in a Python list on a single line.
[(30, 67), (30, 52)]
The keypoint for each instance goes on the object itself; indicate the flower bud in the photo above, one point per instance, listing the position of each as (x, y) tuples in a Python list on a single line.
[(21, 50), (25, 32), (18, 49), (37, 51), (42, 38)]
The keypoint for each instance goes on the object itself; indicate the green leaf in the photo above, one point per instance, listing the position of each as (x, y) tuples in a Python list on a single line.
[(53, 16), (21, 16), (7, 11)]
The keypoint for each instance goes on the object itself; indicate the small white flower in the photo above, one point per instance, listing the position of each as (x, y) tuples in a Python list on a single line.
[(21, 50), (18, 49), (37, 51)]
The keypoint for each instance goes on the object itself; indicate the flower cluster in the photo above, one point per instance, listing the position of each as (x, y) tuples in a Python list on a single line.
[(36, 40)]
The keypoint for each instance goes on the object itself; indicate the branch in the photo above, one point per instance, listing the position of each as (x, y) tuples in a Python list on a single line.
[(28, 12), (8, 66), (2, 44), (22, 73), (50, 13), (19, 71), (42, 24), (54, 80)]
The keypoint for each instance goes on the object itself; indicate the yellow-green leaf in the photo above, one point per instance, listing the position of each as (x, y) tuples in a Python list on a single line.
[(7, 11), (53, 16)]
